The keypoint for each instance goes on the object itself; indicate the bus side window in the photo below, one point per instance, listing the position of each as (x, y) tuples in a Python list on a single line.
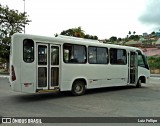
[(92, 55), (42, 55), (28, 50), (102, 55), (54, 55), (74, 53), (118, 56), (97, 55)]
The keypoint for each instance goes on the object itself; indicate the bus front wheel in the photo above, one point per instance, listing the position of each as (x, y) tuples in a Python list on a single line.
[(78, 88)]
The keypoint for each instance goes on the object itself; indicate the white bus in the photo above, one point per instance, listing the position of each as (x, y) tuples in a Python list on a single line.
[(46, 64)]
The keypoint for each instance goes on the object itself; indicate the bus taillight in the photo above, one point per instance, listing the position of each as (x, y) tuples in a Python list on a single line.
[(13, 73)]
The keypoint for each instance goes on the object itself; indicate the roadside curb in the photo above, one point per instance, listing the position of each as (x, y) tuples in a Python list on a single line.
[(4, 76), (155, 75)]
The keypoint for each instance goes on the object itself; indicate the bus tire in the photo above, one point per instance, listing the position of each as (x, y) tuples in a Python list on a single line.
[(139, 84), (78, 88)]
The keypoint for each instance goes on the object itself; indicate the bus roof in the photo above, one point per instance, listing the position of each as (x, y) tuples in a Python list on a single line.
[(73, 40)]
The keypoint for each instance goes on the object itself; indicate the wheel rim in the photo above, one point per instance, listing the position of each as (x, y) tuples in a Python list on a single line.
[(78, 89)]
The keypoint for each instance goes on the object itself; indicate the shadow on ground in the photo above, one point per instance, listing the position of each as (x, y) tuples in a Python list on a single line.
[(59, 95)]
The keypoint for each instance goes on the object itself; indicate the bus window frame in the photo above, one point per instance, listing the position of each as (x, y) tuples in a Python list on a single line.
[(24, 59)]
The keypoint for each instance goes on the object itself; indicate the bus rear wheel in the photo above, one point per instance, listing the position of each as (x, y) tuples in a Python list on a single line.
[(78, 88), (139, 84)]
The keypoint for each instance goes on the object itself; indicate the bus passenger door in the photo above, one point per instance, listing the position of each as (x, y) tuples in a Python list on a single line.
[(42, 66), (47, 66), (133, 68), (54, 66)]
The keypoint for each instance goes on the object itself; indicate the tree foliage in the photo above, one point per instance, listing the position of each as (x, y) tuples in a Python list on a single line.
[(75, 32), (154, 62), (113, 38), (153, 33), (11, 21), (134, 32), (119, 39), (134, 37), (87, 36), (129, 32), (78, 32)]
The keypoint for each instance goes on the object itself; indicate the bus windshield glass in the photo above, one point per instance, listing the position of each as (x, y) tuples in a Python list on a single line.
[(142, 62)]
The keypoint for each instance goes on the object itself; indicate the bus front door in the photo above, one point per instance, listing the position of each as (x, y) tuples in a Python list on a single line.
[(47, 66), (54, 66), (133, 68)]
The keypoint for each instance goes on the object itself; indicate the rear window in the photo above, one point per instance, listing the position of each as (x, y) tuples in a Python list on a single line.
[(28, 51)]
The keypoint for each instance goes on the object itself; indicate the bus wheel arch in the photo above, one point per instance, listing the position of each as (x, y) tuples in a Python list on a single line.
[(79, 87), (141, 80)]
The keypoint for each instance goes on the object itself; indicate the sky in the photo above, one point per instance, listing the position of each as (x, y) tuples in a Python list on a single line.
[(104, 18)]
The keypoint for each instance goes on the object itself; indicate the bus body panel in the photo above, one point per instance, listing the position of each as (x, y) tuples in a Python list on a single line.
[(116, 75), (142, 72), (15, 63), (28, 77)]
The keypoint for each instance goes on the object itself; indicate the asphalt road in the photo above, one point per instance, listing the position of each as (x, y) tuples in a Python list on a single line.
[(124, 101)]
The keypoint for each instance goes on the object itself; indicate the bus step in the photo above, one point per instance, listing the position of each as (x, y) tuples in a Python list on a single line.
[(51, 90)]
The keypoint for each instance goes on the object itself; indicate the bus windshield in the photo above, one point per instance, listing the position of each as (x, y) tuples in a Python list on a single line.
[(142, 61)]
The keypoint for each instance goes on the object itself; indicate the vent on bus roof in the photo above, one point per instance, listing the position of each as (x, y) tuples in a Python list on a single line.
[(76, 38)]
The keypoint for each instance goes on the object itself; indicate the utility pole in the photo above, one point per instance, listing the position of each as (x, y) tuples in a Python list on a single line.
[(24, 15)]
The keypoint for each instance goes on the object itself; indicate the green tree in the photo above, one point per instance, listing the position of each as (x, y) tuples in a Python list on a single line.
[(157, 61), (11, 21), (134, 32), (119, 39), (127, 36), (55, 35), (68, 32), (129, 32), (131, 37), (113, 38), (78, 32), (154, 62), (153, 33), (151, 61), (75, 32), (134, 37), (87, 36), (95, 37)]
